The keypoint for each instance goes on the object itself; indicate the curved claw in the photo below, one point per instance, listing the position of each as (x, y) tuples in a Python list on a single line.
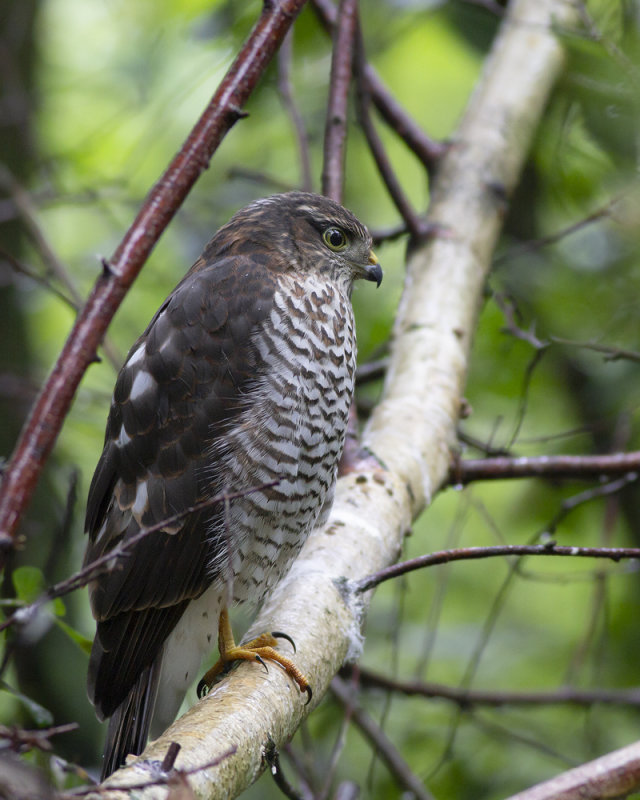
[(202, 689), (262, 661), (280, 635), (310, 695)]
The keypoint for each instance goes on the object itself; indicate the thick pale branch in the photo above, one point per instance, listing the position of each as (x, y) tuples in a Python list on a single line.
[(411, 431)]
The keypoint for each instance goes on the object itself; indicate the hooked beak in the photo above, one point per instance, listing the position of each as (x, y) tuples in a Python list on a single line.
[(373, 271)]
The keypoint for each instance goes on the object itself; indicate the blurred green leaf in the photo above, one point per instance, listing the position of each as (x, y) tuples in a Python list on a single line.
[(82, 641), (28, 583)]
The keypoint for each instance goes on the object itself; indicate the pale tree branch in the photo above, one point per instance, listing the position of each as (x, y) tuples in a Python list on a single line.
[(411, 431), (615, 775)]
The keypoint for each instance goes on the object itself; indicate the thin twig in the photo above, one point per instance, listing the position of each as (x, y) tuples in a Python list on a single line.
[(28, 216), (467, 698), (158, 779), (472, 553), (544, 241), (335, 131), (464, 471), (22, 741), (272, 757), (263, 179), (371, 371), (104, 563), (383, 746), (388, 234), (163, 201), (416, 227), (427, 150), (603, 490), (611, 353), (41, 280), (286, 94)]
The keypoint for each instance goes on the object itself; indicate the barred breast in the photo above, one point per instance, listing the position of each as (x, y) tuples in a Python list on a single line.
[(292, 432)]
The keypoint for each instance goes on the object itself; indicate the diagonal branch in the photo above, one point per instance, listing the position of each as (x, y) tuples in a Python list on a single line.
[(162, 202), (615, 775), (412, 430), (426, 149)]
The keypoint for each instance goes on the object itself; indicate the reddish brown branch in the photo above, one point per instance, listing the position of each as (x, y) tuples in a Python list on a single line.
[(562, 466), (335, 131), (474, 553), (224, 109)]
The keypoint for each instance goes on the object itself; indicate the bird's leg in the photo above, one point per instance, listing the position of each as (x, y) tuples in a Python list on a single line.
[(261, 649)]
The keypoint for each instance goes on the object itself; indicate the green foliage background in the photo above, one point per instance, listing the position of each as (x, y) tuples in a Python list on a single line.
[(116, 87)]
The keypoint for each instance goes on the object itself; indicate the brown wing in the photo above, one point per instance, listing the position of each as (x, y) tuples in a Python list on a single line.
[(182, 385)]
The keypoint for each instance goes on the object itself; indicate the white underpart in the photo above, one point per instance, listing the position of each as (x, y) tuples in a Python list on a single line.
[(193, 638)]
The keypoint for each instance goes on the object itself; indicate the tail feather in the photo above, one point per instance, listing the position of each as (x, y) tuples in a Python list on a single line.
[(129, 725)]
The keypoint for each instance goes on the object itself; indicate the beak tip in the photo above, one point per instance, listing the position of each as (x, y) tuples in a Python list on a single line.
[(374, 273)]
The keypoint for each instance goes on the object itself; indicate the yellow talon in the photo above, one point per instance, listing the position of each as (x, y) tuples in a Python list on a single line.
[(261, 649)]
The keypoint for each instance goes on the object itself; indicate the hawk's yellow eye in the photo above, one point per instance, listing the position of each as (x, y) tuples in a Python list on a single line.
[(335, 239)]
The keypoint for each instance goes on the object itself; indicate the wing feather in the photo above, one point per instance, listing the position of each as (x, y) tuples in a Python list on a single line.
[(182, 385)]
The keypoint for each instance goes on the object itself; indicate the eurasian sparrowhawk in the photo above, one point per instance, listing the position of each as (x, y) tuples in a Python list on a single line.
[(243, 379)]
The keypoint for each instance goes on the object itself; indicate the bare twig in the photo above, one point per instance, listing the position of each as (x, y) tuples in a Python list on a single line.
[(467, 698), (416, 227), (263, 179), (427, 150), (388, 234), (170, 758), (22, 741), (471, 553), (160, 778), (45, 420), (105, 562), (41, 280), (464, 471), (272, 757), (286, 93), (611, 353), (537, 244), (335, 131), (53, 264), (383, 746), (603, 490)]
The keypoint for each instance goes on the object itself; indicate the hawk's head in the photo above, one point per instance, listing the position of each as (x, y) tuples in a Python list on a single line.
[(308, 232)]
